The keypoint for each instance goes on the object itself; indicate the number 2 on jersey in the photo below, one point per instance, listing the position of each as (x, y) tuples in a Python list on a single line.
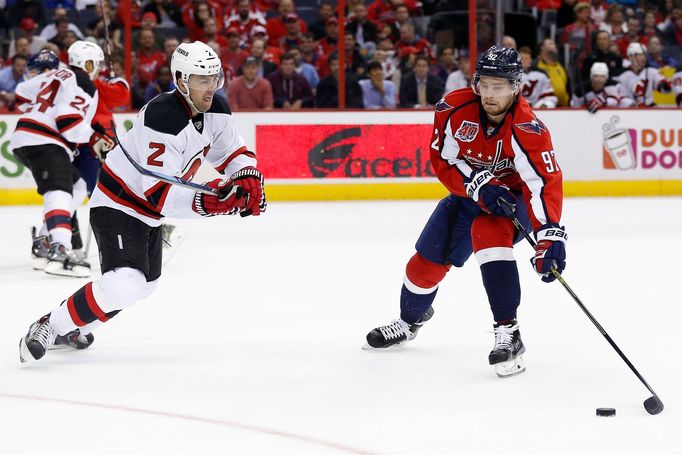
[(153, 158)]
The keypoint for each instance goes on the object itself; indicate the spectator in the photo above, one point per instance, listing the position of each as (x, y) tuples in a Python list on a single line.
[(535, 86), (409, 44), (290, 90), (508, 42), (169, 45), (362, 29), (167, 14), (96, 27), (50, 30), (211, 33), (566, 14), (602, 53), (233, 56), (271, 53), (69, 39), (10, 78), (578, 34), (650, 29), (600, 91), (18, 10), (664, 13), (672, 35), (377, 92), (149, 23), (331, 33), (419, 88), (656, 57), (35, 43), (264, 67), (446, 64), (63, 30), (402, 17), (390, 63), (547, 61), (309, 49), (162, 83), (386, 10), (228, 75), (250, 91), (460, 78), (639, 81), (293, 35), (614, 23), (317, 28), (277, 28), (194, 15), (304, 69), (22, 47), (597, 12), (633, 35), (355, 62), (245, 18), (328, 89), (149, 60)]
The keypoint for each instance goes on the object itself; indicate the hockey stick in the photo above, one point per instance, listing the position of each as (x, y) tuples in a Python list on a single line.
[(106, 39), (653, 404)]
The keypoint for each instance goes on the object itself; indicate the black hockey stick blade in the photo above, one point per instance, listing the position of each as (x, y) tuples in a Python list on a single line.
[(653, 405)]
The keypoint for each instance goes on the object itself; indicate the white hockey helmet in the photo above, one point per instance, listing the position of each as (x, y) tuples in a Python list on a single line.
[(196, 58), (636, 48), (82, 52), (599, 69)]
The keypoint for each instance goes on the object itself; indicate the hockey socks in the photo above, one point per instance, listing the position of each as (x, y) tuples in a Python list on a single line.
[(57, 214), (501, 282)]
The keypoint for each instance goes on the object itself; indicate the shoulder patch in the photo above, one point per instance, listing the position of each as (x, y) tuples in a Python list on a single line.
[(534, 126), (166, 114), (467, 131), (83, 81), (219, 106)]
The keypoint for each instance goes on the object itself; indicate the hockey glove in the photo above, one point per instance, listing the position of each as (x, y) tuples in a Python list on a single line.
[(101, 144), (485, 189), (594, 105), (228, 202), (251, 181), (550, 250)]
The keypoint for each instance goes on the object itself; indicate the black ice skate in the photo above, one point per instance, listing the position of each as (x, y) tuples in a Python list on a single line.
[(395, 333), (62, 261), (38, 340), (74, 339), (506, 355), (39, 250)]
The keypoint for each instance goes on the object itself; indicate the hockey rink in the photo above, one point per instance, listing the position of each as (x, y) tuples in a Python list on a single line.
[(252, 343)]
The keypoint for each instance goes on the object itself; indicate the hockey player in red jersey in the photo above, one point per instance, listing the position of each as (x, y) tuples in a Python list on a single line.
[(488, 148), (173, 135)]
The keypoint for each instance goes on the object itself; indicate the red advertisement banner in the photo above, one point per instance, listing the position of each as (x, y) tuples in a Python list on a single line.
[(343, 151)]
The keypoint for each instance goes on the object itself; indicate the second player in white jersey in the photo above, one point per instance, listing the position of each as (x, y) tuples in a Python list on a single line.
[(600, 91)]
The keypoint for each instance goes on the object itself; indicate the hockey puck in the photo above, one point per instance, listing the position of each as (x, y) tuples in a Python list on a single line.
[(606, 412)]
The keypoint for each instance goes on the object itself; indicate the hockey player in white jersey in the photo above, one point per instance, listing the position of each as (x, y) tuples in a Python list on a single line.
[(600, 91), (677, 88), (173, 134), (58, 108), (536, 87), (639, 80)]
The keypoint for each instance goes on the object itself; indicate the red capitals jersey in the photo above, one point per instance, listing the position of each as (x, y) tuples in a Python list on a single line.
[(113, 93), (520, 149)]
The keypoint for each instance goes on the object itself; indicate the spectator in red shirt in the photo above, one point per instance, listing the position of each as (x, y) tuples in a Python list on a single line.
[(578, 34), (265, 67), (410, 45), (329, 42), (148, 23), (275, 25), (211, 33), (250, 90), (633, 35), (245, 17), (149, 60), (232, 56), (293, 35), (195, 13)]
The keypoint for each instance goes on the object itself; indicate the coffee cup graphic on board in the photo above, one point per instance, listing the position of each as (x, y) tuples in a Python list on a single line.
[(617, 144)]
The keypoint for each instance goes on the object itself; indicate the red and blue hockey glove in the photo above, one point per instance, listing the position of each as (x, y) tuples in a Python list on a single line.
[(251, 181), (228, 202), (485, 189), (550, 250)]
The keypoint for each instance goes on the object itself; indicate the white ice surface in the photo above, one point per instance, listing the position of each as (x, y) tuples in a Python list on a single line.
[(251, 343)]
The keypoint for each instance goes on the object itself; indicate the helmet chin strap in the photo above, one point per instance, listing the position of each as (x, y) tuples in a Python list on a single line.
[(188, 99)]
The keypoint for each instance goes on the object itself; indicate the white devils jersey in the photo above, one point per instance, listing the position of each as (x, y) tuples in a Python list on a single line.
[(640, 86), (166, 139), (537, 89), (677, 87), (612, 95), (58, 109)]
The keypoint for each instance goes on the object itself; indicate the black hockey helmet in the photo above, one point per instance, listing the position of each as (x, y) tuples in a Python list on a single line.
[(43, 60), (499, 62)]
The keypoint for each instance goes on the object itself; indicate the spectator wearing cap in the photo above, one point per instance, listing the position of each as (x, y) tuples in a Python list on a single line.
[(232, 56), (265, 67), (18, 10), (35, 43), (167, 14), (362, 28), (602, 53), (250, 90), (330, 40), (633, 35), (577, 35), (446, 64), (419, 88), (162, 83), (327, 94), (149, 59), (317, 28), (290, 90), (293, 35), (50, 30), (614, 23), (245, 18), (276, 26), (10, 78), (304, 69), (211, 33), (460, 78), (271, 53), (148, 22), (548, 62), (377, 93)]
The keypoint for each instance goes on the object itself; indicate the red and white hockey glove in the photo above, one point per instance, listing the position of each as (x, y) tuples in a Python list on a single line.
[(594, 105), (251, 181), (485, 189), (550, 251), (229, 201), (101, 144)]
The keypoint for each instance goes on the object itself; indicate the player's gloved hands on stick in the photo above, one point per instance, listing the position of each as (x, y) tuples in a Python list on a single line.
[(228, 202), (485, 189), (101, 144), (550, 250), (594, 105), (251, 181)]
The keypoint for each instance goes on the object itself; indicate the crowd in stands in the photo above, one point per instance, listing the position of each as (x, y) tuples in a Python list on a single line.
[(280, 55)]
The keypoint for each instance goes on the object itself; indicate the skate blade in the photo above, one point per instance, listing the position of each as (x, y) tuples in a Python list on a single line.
[(39, 263), (24, 354), (367, 347), (57, 268), (510, 368)]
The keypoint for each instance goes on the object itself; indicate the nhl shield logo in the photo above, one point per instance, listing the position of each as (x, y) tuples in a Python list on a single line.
[(467, 131), (199, 125)]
